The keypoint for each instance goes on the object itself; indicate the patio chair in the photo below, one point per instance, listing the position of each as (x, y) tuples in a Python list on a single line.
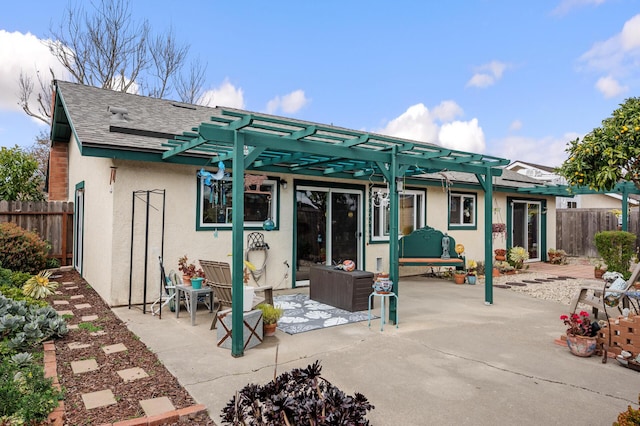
[(167, 292), (218, 275), (599, 296)]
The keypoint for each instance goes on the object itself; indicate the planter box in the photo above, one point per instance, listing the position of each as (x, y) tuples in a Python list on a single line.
[(625, 336), (345, 290)]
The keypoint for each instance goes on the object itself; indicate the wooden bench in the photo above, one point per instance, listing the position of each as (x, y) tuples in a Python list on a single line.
[(423, 247)]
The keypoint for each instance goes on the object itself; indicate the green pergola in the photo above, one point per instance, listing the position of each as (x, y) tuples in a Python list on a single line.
[(622, 188), (264, 143)]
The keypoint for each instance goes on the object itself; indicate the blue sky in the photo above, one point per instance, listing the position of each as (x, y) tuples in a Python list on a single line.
[(512, 79)]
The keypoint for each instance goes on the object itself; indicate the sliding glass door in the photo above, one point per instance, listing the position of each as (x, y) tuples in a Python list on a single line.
[(328, 228)]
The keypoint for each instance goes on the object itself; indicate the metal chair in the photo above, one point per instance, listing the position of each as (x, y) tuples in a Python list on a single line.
[(167, 291)]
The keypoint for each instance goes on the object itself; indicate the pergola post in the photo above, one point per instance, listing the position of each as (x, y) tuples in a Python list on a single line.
[(394, 272), (237, 248), (486, 181)]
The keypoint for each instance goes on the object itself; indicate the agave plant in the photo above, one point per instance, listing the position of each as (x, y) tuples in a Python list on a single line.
[(21, 359), (39, 285)]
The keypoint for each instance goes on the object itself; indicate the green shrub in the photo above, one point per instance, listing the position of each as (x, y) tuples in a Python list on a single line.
[(616, 249), (16, 294), (21, 250), (53, 262), (27, 396)]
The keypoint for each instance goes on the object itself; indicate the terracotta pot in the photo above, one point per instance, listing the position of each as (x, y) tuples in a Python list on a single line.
[(496, 272), (459, 278), (270, 329), (598, 273), (581, 345), (500, 257), (186, 280)]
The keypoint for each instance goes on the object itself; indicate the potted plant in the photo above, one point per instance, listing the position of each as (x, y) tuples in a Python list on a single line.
[(581, 333), (459, 276), (189, 270), (517, 255), (598, 268), (500, 254), (504, 267), (472, 268), (270, 317), (557, 257), (499, 229)]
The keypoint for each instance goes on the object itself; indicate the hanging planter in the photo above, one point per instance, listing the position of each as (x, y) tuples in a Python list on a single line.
[(499, 229)]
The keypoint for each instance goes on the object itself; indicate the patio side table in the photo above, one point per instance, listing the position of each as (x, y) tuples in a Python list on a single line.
[(383, 297), (193, 299)]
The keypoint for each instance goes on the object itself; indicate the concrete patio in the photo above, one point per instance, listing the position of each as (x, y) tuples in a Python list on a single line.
[(453, 360)]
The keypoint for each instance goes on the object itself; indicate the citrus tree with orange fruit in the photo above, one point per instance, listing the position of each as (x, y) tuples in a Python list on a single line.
[(608, 154)]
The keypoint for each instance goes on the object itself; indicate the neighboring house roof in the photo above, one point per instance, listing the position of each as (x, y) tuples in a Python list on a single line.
[(530, 165), (548, 174), (106, 121)]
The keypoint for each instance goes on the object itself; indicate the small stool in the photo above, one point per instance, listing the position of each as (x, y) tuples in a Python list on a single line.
[(383, 297), (252, 332)]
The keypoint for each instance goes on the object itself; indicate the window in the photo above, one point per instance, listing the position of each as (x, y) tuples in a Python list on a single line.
[(411, 208), (572, 205), (216, 204), (462, 210)]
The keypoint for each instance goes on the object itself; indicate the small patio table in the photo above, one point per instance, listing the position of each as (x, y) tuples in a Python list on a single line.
[(383, 297), (193, 299)]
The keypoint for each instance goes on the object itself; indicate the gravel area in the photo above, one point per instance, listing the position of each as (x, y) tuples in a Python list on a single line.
[(561, 291)]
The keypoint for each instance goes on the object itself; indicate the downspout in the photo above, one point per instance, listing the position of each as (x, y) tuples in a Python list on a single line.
[(394, 270), (237, 248), (625, 208)]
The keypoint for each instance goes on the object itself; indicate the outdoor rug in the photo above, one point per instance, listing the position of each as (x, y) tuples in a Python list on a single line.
[(302, 314)]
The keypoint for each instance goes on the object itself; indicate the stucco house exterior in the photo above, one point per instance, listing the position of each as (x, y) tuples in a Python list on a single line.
[(147, 179)]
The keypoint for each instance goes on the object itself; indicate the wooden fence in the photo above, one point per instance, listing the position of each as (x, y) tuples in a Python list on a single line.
[(576, 229), (52, 220)]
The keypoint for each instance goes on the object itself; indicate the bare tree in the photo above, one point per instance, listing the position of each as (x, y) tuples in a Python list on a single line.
[(167, 58), (40, 151), (43, 96), (189, 85), (108, 49)]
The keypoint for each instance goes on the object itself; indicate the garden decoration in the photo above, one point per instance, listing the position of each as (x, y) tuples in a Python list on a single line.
[(208, 179)]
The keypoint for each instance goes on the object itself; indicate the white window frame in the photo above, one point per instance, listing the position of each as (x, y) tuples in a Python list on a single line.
[(272, 184), (382, 213), (463, 196)]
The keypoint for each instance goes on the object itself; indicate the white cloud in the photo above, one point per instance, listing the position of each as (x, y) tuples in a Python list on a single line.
[(549, 151), (437, 126), (289, 103), (618, 57), (463, 136), (515, 125), (224, 95), (487, 74), (566, 6), (610, 87), (26, 53)]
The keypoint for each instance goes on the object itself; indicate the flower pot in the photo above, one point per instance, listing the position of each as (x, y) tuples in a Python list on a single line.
[(269, 329), (581, 345), (471, 279), (186, 280), (496, 272), (500, 257), (196, 282), (598, 273), (459, 278)]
